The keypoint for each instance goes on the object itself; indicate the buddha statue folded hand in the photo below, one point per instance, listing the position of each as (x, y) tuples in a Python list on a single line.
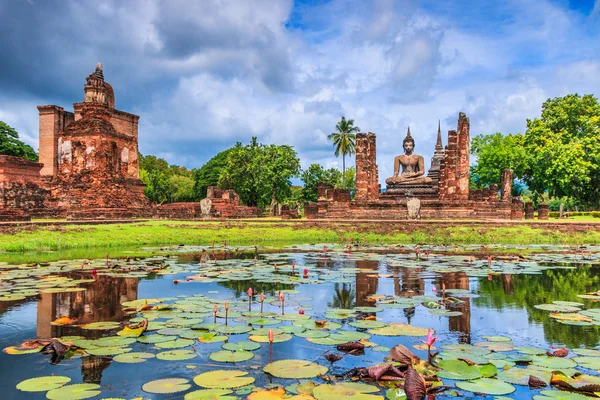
[(409, 168)]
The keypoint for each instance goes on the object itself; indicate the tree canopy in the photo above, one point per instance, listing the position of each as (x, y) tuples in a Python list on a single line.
[(260, 173), (563, 151), (209, 173), (495, 153), (10, 144), (166, 183)]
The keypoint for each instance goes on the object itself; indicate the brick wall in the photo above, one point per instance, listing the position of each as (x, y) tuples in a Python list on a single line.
[(367, 174)]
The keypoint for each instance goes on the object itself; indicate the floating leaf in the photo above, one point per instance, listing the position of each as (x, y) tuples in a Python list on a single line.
[(175, 344), (43, 383), (223, 379), (487, 386), (244, 345), (358, 391), (231, 356), (210, 394), (133, 358), (74, 392), (176, 355), (458, 370), (396, 329), (295, 369), (101, 325), (168, 385), (284, 337)]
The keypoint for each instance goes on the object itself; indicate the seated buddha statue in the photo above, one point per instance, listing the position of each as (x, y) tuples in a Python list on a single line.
[(413, 170)]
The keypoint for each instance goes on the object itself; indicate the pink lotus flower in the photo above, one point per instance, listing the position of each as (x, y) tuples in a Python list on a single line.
[(281, 297), (293, 263), (262, 297), (301, 312), (250, 292), (430, 338), (271, 336)]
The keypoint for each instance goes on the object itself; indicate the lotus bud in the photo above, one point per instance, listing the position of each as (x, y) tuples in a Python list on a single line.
[(226, 305), (250, 292), (271, 336), (301, 312), (262, 297)]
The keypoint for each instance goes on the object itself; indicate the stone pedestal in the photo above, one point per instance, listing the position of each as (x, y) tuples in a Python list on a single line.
[(403, 190), (413, 206), (529, 210), (543, 211)]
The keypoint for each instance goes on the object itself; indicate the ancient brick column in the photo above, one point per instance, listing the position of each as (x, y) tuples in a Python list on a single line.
[(507, 183), (367, 176), (493, 196), (448, 175), (529, 210), (463, 154), (321, 191), (543, 211), (516, 210)]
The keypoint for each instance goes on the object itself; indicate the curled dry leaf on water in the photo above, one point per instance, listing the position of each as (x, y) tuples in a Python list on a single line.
[(321, 322), (562, 352), (403, 355), (385, 372), (56, 349), (33, 344), (64, 321), (414, 385), (332, 357), (536, 383), (351, 347)]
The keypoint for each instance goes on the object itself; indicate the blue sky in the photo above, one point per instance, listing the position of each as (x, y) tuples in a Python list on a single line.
[(205, 74)]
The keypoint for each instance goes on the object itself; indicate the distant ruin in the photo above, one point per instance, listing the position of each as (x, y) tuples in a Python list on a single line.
[(442, 193)]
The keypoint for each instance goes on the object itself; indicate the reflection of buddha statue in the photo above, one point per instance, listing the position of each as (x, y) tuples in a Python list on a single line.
[(413, 170)]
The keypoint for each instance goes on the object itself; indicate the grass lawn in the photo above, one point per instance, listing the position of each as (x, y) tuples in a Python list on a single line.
[(279, 233)]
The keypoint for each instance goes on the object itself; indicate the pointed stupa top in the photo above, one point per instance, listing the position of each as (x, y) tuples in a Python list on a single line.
[(438, 143), (408, 138)]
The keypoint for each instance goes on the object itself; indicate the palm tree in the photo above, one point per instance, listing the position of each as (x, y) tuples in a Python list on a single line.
[(344, 141)]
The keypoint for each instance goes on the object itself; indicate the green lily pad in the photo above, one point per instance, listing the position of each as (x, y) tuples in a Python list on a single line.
[(176, 355), (101, 325), (233, 330), (168, 385), (175, 344), (458, 370), (487, 386), (367, 324), (399, 330), (155, 338), (43, 383), (559, 395), (133, 358), (556, 308), (223, 379), (284, 337), (497, 338), (554, 362), (74, 392), (107, 351), (295, 369), (359, 391), (243, 345), (231, 356), (210, 394)]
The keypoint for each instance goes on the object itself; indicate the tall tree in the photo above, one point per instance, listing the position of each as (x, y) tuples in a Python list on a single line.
[(563, 151), (344, 140), (315, 174), (260, 174), (494, 153), (10, 144), (209, 173)]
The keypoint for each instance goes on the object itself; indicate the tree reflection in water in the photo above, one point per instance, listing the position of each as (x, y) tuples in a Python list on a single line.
[(343, 296)]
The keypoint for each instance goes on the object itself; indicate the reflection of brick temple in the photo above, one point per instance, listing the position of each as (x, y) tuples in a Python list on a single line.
[(407, 285), (100, 302), (366, 282), (461, 323), (442, 193)]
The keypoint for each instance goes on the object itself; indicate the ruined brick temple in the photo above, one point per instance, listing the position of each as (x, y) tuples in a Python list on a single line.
[(442, 193), (88, 162)]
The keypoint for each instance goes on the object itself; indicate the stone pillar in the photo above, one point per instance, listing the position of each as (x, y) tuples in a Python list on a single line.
[(53, 119), (463, 155), (321, 191), (543, 211), (507, 183), (516, 210), (493, 195), (448, 175), (529, 210), (367, 174)]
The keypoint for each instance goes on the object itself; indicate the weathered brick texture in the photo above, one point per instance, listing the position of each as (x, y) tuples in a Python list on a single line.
[(367, 174)]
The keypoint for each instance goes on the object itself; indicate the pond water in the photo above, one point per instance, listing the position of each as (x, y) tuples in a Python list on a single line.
[(481, 310)]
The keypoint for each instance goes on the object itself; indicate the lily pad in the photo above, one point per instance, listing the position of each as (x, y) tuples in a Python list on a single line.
[(74, 392), (399, 330), (231, 356), (43, 383), (458, 370), (223, 379), (133, 358), (367, 324), (358, 391), (243, 345), (175, 344), (295, 369), (176, 355), (284, 337), (168, 385), (209, 394), (487, 386)]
